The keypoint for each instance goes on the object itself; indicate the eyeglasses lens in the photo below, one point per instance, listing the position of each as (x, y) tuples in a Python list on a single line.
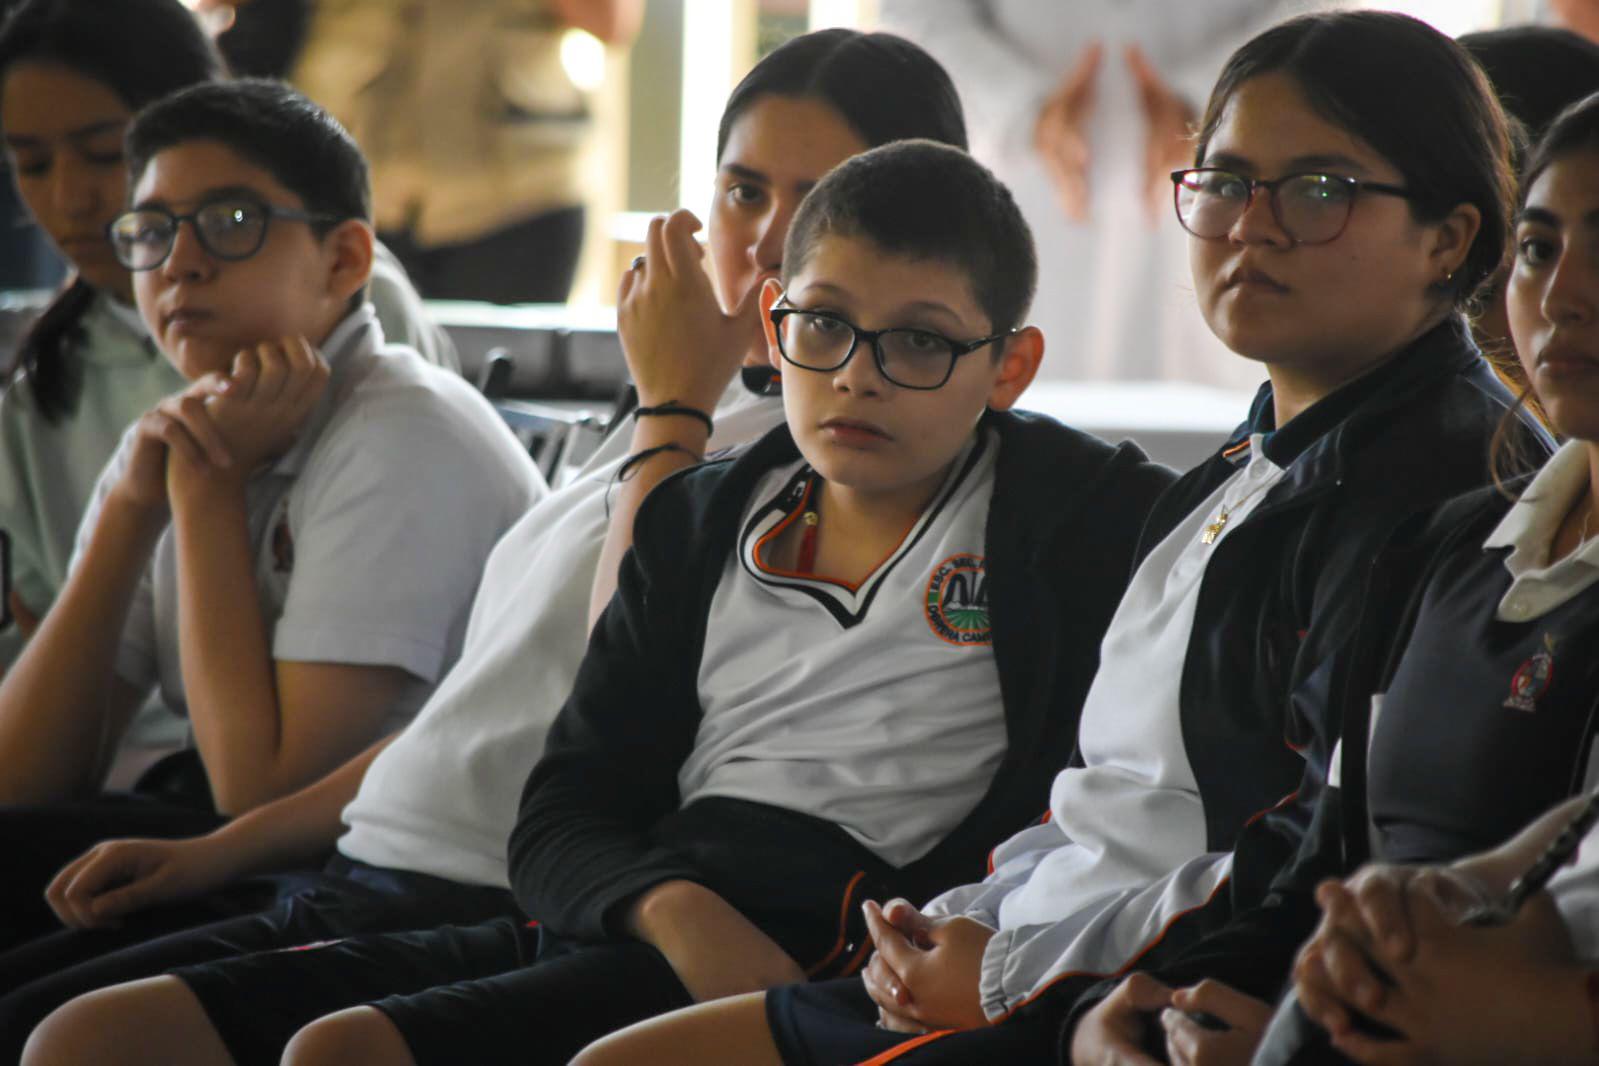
[(231, 230), (1311, 208), (913, 358), (141, 239)]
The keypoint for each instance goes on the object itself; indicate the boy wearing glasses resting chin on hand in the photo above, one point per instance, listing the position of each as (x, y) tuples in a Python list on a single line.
[(289, 547), (838, 666)]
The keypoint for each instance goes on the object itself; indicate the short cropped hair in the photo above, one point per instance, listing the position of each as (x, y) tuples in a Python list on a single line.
[(274, 127), (925, 200)]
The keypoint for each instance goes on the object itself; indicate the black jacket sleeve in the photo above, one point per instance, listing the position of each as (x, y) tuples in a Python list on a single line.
[(1248, 937), (582, 848)]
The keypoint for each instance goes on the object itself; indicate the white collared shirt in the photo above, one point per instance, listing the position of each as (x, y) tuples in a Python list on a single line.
[(369, 534), (1538, 586), (442, 798)]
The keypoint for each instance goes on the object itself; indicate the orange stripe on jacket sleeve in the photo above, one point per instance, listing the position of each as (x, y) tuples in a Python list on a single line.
[(900, 1050), (1128, 966)]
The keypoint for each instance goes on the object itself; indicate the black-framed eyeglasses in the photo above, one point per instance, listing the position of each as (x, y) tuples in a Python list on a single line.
[(230, 228), (910, 358), (1310, 208)]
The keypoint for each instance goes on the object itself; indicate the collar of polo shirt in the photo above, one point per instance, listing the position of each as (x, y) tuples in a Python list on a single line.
[(359, 331)]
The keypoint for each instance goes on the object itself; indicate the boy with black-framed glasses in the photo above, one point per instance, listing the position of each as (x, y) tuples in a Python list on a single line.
[(840, 663), (289, 548)]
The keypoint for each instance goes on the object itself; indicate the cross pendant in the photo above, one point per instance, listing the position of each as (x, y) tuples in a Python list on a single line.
[(1213, 530)]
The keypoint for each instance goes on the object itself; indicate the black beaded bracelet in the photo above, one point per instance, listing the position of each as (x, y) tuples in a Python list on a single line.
[(672, 407), (631, 464)]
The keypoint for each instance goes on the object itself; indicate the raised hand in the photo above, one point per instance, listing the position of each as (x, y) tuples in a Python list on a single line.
[(681, 346)]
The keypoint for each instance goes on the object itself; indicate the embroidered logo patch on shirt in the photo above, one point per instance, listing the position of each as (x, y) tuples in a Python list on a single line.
[(1531, 680), (957, 600)]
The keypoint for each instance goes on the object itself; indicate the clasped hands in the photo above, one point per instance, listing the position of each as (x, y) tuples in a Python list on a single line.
[(925, 972), (1392, 945), (224, 426)]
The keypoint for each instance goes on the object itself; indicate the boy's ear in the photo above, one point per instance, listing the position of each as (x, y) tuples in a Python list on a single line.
[(1024, 350), (351, 244), (771, 292)]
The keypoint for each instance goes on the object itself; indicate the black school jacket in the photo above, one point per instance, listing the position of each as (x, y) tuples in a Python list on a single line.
[(1282, 596), (600, 819), (1485, 725)]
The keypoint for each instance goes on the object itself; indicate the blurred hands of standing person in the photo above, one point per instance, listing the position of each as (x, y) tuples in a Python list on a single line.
[(1083, 107)]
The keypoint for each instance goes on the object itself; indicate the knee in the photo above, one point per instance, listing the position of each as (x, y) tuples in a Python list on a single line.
[(154, 1021), (609, 1051), (590, 1056), (361, 1034), (87, 1029)]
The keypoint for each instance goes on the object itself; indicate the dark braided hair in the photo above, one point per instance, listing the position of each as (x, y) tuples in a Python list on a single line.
[(141, 50)]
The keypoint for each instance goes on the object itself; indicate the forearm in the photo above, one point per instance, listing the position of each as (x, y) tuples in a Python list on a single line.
[(626, 497), (1496, 869), (662, 912), (59, 718), (300, 827), (228, 674)]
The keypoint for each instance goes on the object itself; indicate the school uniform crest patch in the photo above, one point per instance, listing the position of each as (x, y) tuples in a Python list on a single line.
[(957, 600), (1532, 679)]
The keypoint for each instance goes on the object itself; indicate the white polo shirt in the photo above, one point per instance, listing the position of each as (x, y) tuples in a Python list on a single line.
[(369, 534), (442, 798), (876, 707)]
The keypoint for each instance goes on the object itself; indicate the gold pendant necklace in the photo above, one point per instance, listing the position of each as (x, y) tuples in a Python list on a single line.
[(1212, 532)]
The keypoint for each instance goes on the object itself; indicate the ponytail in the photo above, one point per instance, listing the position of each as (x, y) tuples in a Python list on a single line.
[(44, 357)]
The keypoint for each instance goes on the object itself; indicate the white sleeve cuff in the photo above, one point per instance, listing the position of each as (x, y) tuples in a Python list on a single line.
[(358, 645)]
